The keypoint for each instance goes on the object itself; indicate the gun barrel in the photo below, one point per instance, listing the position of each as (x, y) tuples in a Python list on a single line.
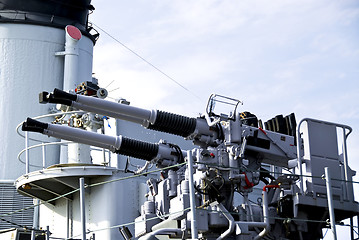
[(119, 144), (117, 108), (153, 119), (107, 113)]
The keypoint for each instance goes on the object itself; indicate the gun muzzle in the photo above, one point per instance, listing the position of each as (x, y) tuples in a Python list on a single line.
[(32, 125)]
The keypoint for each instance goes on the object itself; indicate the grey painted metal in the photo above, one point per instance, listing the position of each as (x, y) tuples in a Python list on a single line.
[(118, 132), (68, 218), (330, 202), (43, 156), (299, 158), (35, 224), (71, 61), (351, 229), (47, 233), (265, 217), (36, 146), (82, 206), (194, 231), (231, 223), (85, 137), (7, 181), (346, 165), (122, 109), (34, 46), (162, 231), (255, 224), (11, 201), (92, 109)]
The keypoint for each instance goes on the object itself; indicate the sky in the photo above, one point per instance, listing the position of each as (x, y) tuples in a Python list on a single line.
[(277, 56)]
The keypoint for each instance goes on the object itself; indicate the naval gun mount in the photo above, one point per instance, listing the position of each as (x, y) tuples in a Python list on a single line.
[(276, 147), (231, 158)]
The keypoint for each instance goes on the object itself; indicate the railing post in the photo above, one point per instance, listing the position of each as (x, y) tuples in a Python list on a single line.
[(351, 229), (35, 224), (194, 232), (348, 191), (43, 156), (27, 164), (330, 202), (47, 233), (299, 158), (82, 207)]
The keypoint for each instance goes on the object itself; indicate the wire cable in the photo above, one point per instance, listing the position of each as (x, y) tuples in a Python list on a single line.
[(146, 61)]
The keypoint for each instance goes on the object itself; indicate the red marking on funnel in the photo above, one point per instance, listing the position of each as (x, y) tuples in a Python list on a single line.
[(74, 32)]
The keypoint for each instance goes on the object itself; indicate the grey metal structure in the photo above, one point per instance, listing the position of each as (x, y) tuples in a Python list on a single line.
[(11, 201), (197, 199)]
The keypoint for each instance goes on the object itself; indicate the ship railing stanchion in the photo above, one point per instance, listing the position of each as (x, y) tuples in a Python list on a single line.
[(35, 224), (351, 229), (27, 164), (82, 204), (43, 147)]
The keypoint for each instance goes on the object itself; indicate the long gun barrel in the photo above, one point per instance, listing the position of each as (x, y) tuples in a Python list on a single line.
[(152, 119), (162, 154)]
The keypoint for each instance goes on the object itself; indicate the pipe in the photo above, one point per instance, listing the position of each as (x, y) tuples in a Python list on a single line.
[(73, 35), (192, 199), (142, 169), (265, 212), (35, 224), (162, 231), (330, 202), (82, 207), (246, 201), (230, 220), (68, 218)]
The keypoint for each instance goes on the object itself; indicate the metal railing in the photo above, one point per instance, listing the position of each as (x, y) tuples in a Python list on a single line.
[(345, 155)]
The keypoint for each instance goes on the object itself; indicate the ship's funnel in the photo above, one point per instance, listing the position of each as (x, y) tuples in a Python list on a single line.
[(57, 14), (32, 32)]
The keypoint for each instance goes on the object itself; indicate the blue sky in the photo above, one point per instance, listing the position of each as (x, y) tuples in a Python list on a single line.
[(277, 56)]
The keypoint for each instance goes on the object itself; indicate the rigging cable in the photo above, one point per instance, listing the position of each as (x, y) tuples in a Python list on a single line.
[(146, 61)]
